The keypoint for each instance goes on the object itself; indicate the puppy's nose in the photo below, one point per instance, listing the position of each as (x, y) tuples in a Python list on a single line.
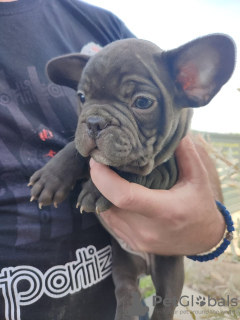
[(95, 124)]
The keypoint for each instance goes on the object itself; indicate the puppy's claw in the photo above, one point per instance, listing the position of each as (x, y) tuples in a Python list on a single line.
[(40, 205), (77, 205), (97, 210), (82, 209), (32, 198), (30, 184), (55, 204)]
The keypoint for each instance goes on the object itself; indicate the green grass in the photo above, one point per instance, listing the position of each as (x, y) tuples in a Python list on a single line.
[(146, 287)]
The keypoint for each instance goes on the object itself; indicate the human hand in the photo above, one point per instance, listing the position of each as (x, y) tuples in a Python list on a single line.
[(181, 221)]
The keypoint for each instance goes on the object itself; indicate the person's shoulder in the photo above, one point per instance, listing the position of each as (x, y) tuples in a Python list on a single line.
[(88, 9), (101, 17)]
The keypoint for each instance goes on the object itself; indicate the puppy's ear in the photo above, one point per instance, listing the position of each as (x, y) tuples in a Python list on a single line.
[(201, 67), (66, 70)]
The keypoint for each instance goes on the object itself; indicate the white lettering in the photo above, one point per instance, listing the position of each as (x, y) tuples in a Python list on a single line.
[(91, 267)]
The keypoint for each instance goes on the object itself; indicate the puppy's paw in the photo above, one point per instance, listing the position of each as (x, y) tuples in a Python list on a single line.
[(91, 200), (48, 188)]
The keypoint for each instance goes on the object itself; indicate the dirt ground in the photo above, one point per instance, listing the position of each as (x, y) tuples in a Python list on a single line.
[(220, 277), (217, 278)]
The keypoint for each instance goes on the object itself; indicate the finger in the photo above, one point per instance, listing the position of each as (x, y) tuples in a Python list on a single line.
[(141, 233), (126, 195), (119, 227), (189, 163)]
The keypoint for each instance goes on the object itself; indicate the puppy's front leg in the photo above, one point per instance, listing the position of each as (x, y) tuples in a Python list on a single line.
[(52, 183)]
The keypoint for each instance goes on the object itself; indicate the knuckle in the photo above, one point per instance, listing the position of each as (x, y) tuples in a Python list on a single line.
[(124, 201), (175, 219), (147, 239)]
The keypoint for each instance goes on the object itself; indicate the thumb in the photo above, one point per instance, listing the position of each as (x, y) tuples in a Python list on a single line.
[(108, 182), (123, 194)]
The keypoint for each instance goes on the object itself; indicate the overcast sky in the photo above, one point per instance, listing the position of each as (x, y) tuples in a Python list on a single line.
[(170, 23)]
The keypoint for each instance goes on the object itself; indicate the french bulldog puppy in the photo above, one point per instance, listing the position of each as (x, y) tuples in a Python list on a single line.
[(135, 105)]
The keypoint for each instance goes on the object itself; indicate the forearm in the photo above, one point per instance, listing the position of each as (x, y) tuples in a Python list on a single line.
[(210, 166), (219, 226)]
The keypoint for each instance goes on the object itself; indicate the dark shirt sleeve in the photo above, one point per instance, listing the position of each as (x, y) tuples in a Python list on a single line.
[(100, 21)]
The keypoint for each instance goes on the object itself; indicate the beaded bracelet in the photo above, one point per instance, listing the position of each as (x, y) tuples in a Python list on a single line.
[(226, 241)]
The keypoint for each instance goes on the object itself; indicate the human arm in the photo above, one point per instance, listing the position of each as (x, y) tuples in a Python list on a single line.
[(181, 221), (210, 166)]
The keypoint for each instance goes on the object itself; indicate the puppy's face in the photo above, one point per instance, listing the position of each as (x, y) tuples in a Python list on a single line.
[(124, 117), (135, 100)]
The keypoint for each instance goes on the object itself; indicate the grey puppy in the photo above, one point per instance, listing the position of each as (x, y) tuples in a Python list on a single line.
[(135, 105)]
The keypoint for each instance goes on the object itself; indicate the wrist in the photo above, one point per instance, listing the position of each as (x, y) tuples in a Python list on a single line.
[(226, 240), (217, 232)]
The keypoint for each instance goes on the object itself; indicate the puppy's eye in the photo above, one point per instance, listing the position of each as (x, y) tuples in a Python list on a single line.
[(81, 97), (143, 103)]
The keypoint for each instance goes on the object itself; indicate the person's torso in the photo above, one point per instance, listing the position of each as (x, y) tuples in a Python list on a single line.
[(50, 259)]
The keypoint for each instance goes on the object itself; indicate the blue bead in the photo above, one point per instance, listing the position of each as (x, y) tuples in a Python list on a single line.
[(211, 256), (225, 214), (192, 258), (219, 250), (226, 241)]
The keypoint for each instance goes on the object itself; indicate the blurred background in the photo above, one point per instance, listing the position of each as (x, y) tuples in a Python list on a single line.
[(172, 23)]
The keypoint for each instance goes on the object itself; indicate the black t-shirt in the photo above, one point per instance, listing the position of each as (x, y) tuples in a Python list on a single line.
[(54, 263)]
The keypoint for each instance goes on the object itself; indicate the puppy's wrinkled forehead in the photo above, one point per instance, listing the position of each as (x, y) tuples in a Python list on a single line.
[(118, 63)]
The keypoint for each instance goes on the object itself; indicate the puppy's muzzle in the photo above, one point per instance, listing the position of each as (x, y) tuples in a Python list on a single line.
[(95, 125)]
